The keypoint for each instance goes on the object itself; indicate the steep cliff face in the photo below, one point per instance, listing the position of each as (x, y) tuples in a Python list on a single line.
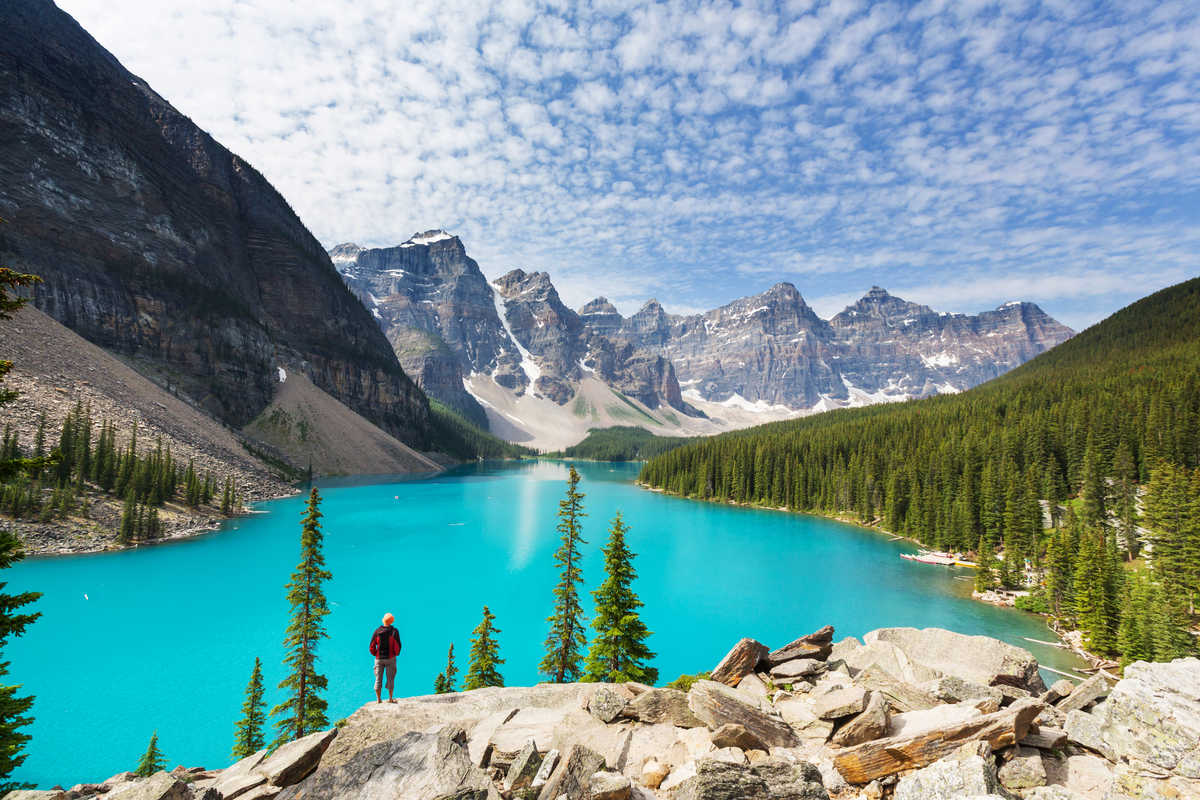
[(157, 243), (449, 326)]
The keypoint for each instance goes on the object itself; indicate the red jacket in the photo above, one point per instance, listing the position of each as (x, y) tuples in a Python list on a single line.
[(385, 642)]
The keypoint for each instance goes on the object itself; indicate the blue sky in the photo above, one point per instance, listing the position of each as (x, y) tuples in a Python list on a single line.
[(961, 154)]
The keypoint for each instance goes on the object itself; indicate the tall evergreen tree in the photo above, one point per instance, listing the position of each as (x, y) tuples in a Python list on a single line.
[(566, 640), (619, 652), (14, 709), (444, 682), (249, 737), (152, 760), (485, 655), (303, 711), (985, 573)]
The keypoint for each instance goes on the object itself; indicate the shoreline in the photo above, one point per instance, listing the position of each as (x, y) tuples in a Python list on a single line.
[(1068, 640)]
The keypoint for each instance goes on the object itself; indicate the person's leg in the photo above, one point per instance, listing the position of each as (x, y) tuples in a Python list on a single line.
[(378, 680), (391, 678)]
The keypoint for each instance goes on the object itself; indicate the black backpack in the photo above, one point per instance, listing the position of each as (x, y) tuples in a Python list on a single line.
[(381, 641)]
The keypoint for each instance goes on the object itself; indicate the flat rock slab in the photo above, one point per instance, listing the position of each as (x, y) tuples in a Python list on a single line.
[(739, 662), (1085, 693), (1084, 729), (606, 704), (789, 671), (716, 705), (865, 762), (979, 659), (658, 706), (911, 723), (293, 761), (609, 786), (1044, 737), (573, 775), (416, 764), (901, 696), (817, 644), (1025, 770), (524, 767), (838, 703)]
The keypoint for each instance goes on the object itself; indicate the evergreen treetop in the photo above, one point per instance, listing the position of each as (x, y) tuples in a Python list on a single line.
[(619, 652), (484, 656), (566, 639), (249, 736), (152, 760)]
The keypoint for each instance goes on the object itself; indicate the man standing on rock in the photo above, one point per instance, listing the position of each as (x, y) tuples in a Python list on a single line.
[(385, 646)]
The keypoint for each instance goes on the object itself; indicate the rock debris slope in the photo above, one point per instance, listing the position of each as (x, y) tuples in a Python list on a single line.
[(882, 718), (157, 243)]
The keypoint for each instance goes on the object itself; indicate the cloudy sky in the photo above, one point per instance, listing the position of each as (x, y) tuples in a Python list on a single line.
[(960, 153)]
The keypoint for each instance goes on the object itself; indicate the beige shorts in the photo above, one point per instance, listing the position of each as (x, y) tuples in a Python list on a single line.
[(385, 666)]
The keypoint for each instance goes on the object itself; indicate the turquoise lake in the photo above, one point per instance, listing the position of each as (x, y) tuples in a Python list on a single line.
[(164, 637)]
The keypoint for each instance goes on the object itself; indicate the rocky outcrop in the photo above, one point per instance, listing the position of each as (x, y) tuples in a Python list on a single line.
[(157, 243), (756, 741)]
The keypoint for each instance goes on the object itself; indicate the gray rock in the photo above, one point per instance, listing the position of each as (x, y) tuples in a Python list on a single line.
[(732, 734), (524, 767), (1085, 694), (1050, 793), (1152, 716), (668, 706), (609, 786), (716, 705), (36, 794), (741, 660), (720, 780), (417, 764), (1062, 688), (870, 724), (796, 668), (952, 689), (549, 764), (1024, 770), (1044, 737), (654, 773), (959, 775), (979, 659), (790, 780), (901, 696), (606, 705), (159, 786), (817, 644), (241, 777), (573, 775), (293, 761), (1084, 729), (838, 703)]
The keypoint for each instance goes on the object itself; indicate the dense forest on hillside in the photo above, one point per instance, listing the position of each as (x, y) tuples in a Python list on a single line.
[(624, 443), (454, 435), (1076, 474)]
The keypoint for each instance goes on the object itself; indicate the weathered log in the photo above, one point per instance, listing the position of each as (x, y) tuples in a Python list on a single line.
[(865, 762)]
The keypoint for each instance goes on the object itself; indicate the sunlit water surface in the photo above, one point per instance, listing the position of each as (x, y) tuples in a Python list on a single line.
[(164, 637)]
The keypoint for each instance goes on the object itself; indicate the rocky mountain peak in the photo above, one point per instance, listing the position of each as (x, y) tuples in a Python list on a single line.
[(597, 307), (878, 305), (344, 253)]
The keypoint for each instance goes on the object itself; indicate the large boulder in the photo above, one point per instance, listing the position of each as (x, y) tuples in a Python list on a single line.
[(159, 786), (1024, 770), (293, 761), (979, 659), (872, 723), (606, 704), (414, 765), (36, 794), (739, 662), (840, 702), (732, 734), (668, 706), (865, 762), (968, 772), (716, 704), (1152, 717), (720, 780), (573, 775), (790, 780)]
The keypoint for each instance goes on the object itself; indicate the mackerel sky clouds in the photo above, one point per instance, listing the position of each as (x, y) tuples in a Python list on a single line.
[(958, 153)]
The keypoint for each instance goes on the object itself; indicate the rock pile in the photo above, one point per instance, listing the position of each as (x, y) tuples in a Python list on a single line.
[(905, 714)]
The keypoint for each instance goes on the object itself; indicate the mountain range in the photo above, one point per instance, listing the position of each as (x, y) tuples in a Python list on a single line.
[(511, 355)]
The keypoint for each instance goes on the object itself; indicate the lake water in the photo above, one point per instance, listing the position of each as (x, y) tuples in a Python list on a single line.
[(164, 637)]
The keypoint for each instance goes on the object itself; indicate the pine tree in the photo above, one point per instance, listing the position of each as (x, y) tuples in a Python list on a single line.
[(153, 759), (619, 652), (985, 573), (444, 682), (566, 640), (485, 655), (14, 710), (303, 711), (249, 737)]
